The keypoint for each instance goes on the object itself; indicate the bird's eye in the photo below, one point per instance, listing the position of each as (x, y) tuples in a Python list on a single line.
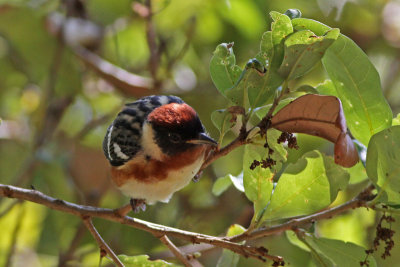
[(174, 137)]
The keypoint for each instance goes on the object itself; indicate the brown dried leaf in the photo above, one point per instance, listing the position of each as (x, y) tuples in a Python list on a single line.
[(319, 116)]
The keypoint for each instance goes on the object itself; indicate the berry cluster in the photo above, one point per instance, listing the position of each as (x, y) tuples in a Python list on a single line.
[(290, 138), (382, 234), (278, 263)]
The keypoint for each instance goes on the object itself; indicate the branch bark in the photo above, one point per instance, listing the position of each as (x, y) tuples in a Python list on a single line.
[(160, 230), (113, 215), (102, 244), (175, 251)]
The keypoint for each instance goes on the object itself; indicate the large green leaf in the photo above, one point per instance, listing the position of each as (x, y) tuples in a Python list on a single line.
[(358, 86), (258, 182), (228, 257), (340, 253), (356, 81), (303, 50), (223, 69), (302, 189), (383, 164)]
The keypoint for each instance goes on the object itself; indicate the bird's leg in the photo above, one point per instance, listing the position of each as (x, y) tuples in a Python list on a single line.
[(138, 204)]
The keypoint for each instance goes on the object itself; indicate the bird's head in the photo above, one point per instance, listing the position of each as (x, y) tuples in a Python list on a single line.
[(177, 128)]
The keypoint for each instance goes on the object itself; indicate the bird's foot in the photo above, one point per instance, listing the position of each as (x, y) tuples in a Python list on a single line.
[(138, 204), (197, 177)]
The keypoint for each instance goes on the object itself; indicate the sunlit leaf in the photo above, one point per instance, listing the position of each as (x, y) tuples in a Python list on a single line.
[(358, 85), (281, 27), (396, 120), (223, 69), (326, 88), (302, 189), (356, 81), (303, 50), (383, 164), (257, 182)]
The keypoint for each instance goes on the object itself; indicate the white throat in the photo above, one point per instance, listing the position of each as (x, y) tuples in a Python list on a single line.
[(149, 144)]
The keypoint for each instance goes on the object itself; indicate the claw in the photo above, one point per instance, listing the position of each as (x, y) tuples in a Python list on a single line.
[(138, 204)]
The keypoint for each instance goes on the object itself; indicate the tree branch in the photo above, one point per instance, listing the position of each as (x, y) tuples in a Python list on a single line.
[(102, 244), (175, 250), (113, 215), (360, 201), (154, 59), (128, 83)]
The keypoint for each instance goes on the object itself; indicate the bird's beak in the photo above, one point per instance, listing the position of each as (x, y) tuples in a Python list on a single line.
[(203, 139)]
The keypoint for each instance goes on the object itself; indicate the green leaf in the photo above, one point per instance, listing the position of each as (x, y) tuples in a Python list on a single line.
[(316, 27), (271, 55), (229, 258), (143, 261), (281, 27), (307, 89), (222, 121), (396, 121), (340, 253), (223, 69), (383, 164), (258, 182), (303, 50), (327, 88), (249, 80), (337, 175), (221, 185), (302, 189), (358, 86)]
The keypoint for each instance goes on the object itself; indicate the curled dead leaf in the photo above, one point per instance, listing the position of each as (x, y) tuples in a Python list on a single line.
[(321, 116)]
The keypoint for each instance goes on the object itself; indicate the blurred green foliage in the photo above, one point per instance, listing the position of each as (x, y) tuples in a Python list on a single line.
[(75, 170)]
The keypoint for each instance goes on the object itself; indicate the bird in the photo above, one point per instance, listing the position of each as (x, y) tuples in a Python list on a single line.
[(155, 146)]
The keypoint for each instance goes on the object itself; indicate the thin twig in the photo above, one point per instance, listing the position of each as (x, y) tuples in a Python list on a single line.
[(154, 59), (175, 250), (111, 215), (128, 83), (124, 210), (102, 244)]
